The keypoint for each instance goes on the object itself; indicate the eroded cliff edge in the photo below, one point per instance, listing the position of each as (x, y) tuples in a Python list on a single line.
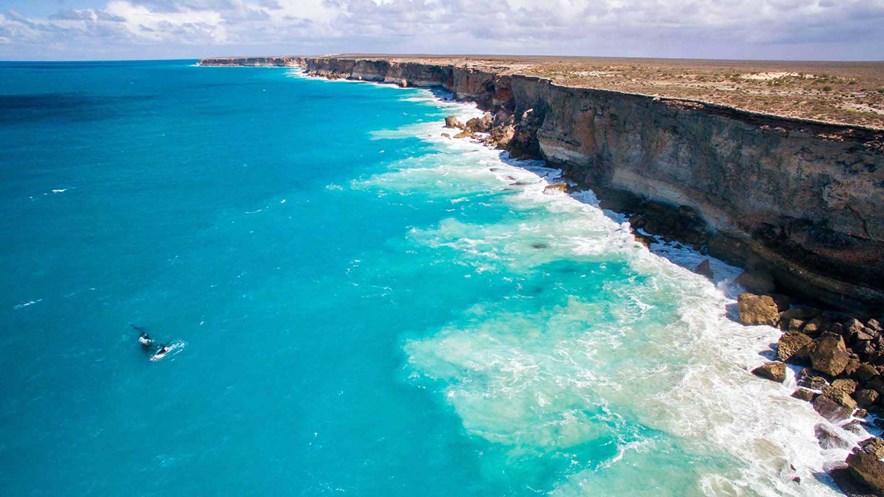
[(799, 199)]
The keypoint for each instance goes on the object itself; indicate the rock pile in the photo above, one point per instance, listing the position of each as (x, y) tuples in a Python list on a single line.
[(843, 375)]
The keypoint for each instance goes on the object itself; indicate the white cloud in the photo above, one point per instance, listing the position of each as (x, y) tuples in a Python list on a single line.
[(847, 29)]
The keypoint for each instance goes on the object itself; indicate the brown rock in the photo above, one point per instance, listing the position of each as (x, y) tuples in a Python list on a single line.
[(794, 325), (555, 188), (844, 385), (852, 365), (814, 327), (793, 345), (802, 313), (775, 371), (874, 446), (865, 372), (757, 310), (865, 397), (452, 122), (874, 324), (804, 394), (828, 354), (840, 397), (830, 409), (704, 269), (868, 468), (849, 483), (807, 379)]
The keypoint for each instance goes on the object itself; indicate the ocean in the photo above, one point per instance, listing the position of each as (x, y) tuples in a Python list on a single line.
[(358, 306)]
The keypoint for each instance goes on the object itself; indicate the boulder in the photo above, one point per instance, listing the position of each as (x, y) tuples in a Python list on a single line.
[(868, 468), (865, 372), (479, 124), (793, 325), (873, 445), (830, 409), (804, 394), (757, 310), (807, 379), (775, 371), (828, 354), (555, 188), (874, 324), (793, 345), (839, 397), (452, 122), (840, 391), (850, 484), (802, 313), (829, 437), (704, 269), (814, 327), (865, 397)]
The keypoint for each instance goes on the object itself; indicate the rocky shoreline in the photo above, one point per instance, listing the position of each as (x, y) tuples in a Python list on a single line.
[(829, 260), (794, 200)]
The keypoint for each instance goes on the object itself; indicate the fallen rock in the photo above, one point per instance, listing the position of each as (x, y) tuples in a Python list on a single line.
[(793, 325), (865, 372), (802, 313), (828, 354), (868, 468), (757, 310), (555, 188), (479, 124), (804, 394), (814, 327), (865, 397), (452, 122), (874, 446), (849, 483), (793, 345), (830, 409), (807, 379), (704, 269), (829, 438), (840, 391), (775, 371)]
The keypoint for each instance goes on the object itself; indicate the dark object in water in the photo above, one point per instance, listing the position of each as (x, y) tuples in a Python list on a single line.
[(144, 338)]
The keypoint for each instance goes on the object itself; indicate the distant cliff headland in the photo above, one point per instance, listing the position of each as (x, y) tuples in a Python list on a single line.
[(797, 201)]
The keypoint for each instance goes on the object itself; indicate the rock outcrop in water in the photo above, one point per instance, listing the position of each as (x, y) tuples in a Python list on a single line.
[(801, 200)]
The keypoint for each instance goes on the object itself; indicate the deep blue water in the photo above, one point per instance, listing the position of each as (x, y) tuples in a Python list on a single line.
[(363, 310)]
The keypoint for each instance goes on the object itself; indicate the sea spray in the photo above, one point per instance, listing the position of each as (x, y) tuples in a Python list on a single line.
[(634, 384)]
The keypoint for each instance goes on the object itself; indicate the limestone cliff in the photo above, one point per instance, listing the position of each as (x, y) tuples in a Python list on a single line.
[(800, 199)]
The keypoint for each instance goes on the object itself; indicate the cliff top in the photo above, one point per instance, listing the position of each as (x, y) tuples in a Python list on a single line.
[(838, 92)]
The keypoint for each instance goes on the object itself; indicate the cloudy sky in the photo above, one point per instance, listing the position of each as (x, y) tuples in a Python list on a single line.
[(144, 29)]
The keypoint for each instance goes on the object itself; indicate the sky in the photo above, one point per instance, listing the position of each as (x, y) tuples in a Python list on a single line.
[(718, 29)]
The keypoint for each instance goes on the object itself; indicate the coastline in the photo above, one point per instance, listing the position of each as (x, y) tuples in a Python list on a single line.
[(734, 183), (792, 379)]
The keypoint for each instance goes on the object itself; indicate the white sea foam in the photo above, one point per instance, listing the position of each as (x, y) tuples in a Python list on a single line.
[(27, 304), (661, 353)]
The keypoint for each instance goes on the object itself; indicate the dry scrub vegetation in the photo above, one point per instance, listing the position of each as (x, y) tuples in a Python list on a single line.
[(840, 92)]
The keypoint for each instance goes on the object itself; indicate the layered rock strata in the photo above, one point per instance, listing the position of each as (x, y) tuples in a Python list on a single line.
[(798, 200)]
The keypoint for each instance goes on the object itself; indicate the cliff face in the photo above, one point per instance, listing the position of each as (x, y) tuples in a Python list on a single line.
[(799, 199)]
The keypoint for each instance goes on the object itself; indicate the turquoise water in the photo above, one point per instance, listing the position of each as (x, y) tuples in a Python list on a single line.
[(362, 307)]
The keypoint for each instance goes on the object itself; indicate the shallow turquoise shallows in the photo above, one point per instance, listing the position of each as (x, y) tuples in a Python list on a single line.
[(358, 306)]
